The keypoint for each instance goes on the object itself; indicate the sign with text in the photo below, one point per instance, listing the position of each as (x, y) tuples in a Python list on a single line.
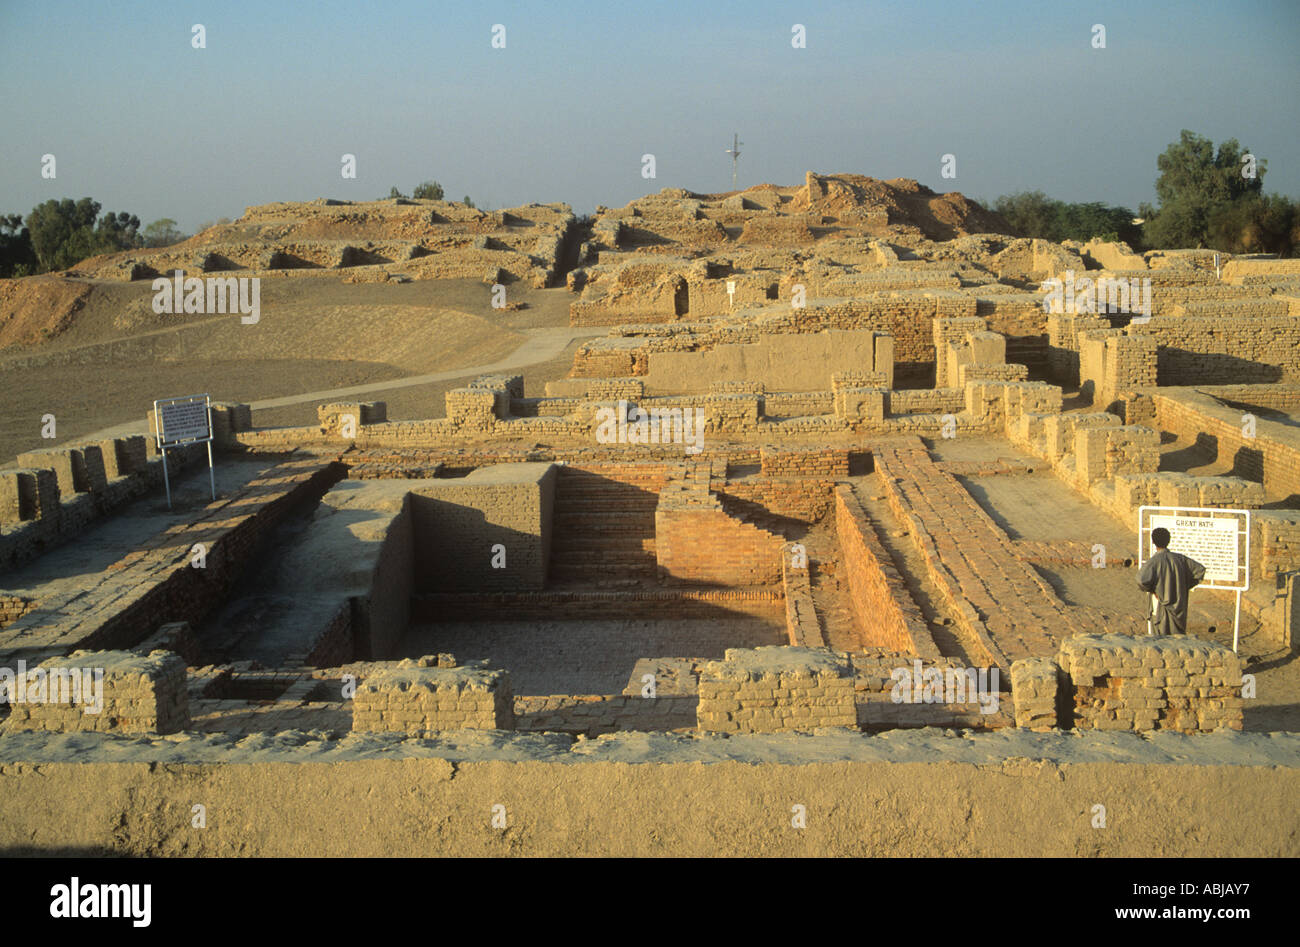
[(1217, 539), (183, 421)]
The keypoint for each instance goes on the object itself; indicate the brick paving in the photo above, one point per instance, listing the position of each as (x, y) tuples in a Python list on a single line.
[(995, 592)]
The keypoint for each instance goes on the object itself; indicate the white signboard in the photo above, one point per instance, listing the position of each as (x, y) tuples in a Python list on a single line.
[(183, 421), (1217, 539)]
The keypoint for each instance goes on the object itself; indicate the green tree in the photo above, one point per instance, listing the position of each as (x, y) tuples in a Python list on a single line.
[(63, 233), (1195, 182), (1256, 224), (52, 224), (428, 191), (467, 202), (162, 233), (17, 257), (1034, 214), (395, 193)]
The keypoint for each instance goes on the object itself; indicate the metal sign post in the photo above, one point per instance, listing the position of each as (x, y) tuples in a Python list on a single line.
[(182, 421), (1218, 539)]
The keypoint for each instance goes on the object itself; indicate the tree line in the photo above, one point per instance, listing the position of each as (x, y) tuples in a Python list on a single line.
[(59, 234), (1207, 198)]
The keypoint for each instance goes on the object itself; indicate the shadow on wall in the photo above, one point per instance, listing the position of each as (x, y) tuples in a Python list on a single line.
[(1175, 366), (456, 549)]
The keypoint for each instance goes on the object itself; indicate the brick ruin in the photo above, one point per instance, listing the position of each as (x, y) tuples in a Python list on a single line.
[(837, 552)]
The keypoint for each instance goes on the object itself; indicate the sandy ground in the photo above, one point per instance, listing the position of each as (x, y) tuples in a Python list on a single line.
[(106, 370)]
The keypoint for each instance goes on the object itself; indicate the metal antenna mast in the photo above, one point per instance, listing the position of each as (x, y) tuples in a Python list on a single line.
[(734, 151)]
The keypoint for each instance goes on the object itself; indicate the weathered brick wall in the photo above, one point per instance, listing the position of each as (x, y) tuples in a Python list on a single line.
[(806, 462), (696, 541), (769, 690), (1119, 682), (806, 500), (594, 714), (419, 698), (1271, 457), (801, 624), (163, 585), (136, 693), (335, 416), (926, 401), (457, 523), (1036, 686), (897, 690), (13, 607), (886, 616), (1103, 452)]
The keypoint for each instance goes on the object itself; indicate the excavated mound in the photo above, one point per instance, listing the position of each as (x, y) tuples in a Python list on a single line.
[(37, 308)]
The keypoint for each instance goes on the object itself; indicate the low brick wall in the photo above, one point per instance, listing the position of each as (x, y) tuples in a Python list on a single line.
[(801, 624), (105, 691), (817, 462), (418, 697), (768, 690), (1118, 682), (1036, 686), (885, 613)]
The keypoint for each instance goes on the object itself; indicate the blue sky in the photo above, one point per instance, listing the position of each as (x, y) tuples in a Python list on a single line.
[(140, 120)]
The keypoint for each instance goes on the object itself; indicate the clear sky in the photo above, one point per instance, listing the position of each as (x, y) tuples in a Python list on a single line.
[(140, 120)]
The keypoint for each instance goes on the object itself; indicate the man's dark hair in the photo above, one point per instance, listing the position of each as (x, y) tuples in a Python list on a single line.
[(1160, 536)]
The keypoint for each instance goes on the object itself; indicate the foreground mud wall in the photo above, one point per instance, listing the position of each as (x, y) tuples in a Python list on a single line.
[(918, 794)]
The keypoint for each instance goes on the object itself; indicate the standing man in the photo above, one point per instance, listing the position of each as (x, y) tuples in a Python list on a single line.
[(1169, 576)]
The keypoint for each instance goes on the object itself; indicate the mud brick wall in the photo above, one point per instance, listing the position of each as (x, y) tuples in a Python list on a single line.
[(13, 607), (1036, 688), (228, 419), (1111, 361), (1276, 536), (1238, 269), (926, 401), (140, 694), (906, 316), (333, 416), (415, 698), (615, 389), (1118, 682), (812, 462), (948, 332), (473, 409), (605, 361), (77, 469), (1170, 488), (1279, 397), (375, 622), (594, 714), (877, 684), (883, 609), (1227, 342), (801, 624), (860, 405), (1059, 430), (605, 517), (456, 522), (661, 604), (1271, 457), (28, 494), (696, 541), (1001, 371), (1103, 452), (770, 690), (162, 585), (805, 500)]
